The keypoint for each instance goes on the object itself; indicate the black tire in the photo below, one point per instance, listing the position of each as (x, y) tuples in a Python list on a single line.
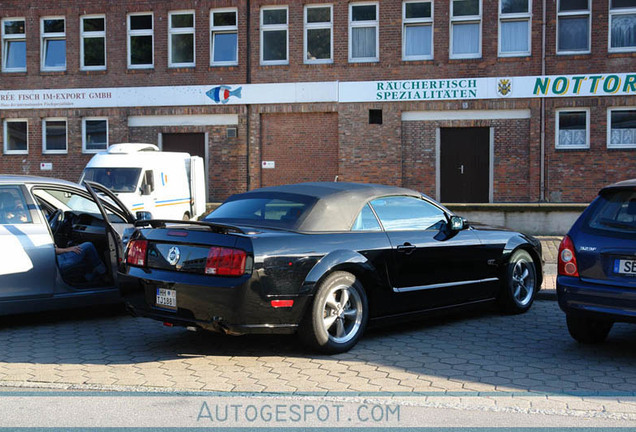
[(588, 330), (519, 287), (334, 324)]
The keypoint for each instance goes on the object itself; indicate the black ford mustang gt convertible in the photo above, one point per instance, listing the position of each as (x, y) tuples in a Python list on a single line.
[(322, 260)]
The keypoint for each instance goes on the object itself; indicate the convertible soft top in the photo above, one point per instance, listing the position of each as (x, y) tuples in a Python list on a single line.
[(337, 203)]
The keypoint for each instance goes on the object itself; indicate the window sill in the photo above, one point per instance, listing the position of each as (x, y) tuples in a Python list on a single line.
[(575, 55), (572, 148), (622, 147), (228, 66)]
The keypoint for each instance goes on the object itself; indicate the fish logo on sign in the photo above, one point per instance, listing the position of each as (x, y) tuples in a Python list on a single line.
[(504, 87), (222, 94)]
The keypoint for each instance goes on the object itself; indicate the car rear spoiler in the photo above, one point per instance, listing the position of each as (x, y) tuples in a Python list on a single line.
[(215, 227)]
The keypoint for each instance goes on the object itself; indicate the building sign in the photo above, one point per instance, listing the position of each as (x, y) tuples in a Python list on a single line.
[(426, 89), (488, 88), (585, 85), (343, 92), (170, 96)]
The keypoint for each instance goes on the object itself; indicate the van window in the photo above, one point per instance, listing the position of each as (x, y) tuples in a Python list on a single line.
[(149, 180), (115, 179)]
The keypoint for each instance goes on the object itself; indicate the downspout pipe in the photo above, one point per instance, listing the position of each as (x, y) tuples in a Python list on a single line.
[(542, 168), (248, 80)]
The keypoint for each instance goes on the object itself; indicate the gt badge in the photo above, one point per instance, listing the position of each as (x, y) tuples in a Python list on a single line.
[(173, 255)]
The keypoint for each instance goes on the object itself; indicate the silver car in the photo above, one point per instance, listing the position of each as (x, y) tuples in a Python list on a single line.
[(38, 213)]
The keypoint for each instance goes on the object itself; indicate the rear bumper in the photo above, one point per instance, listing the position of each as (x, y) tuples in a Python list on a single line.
[(234, 306), (608, 302)]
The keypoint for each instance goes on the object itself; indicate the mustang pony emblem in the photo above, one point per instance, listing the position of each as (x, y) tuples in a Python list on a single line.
[(173, 255), (504, 87), (222, 93)]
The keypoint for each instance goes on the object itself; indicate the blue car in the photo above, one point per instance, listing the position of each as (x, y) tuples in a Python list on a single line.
[(596, 282)]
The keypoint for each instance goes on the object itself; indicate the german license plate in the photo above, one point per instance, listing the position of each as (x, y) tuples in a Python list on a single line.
[(625, 266), (166, 298)]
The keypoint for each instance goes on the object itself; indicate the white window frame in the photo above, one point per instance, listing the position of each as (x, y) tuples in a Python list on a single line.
[(12, 38), (275, 27), (51, 36), (375, 24), (512, 17), (586, 146), (145, 32), (613, 13), (45, 150), (223, 29), (576, 13), (318, 26), (92, 35), (471, 19), (6, 136), (183, 31), (84, 120), (417, 22), (609, 128)]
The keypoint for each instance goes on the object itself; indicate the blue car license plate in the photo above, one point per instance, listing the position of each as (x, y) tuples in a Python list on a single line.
[(625, 266), (166, 298)]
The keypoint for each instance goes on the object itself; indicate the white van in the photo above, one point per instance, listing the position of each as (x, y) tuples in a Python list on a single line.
[(169, 185)]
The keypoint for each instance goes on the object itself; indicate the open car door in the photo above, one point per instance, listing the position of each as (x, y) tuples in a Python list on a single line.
[(110, 212)]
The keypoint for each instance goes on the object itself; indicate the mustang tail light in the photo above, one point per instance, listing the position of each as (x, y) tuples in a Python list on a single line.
[(136, 254), (567, 258), (224, 261)]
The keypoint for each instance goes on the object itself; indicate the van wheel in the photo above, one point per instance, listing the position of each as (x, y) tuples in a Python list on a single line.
[(186, 216), (588, 330), (338, 315)]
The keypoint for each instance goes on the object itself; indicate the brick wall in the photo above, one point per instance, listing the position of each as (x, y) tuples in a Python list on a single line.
[(303, 146), (393, 153), (577, 175)]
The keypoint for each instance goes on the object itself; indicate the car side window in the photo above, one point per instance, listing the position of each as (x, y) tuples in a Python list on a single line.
[(13, 207), (406, 213), (366, 221)]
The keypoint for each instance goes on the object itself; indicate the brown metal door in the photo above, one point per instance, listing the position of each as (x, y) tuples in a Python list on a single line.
[(464, 165), (193, 143)]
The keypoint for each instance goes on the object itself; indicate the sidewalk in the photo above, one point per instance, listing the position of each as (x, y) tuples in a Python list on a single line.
[(550, 246)]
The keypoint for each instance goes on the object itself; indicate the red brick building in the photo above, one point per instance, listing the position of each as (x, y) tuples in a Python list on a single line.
[(465, 100)]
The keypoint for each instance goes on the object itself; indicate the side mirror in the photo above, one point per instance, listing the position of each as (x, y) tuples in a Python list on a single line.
[(457, 223), (146, 189), (143, 215)]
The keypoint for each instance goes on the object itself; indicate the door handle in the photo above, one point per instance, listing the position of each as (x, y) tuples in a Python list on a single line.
[(406, 248), (461, 169)]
